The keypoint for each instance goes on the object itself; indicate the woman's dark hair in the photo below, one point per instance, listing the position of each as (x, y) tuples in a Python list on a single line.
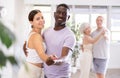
[(32, 14)]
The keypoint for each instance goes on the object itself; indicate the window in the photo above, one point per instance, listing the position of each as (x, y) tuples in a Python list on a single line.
[(115, 27), (81, 14), (81, 18), (98, 11), (86, 13), (115, 24)]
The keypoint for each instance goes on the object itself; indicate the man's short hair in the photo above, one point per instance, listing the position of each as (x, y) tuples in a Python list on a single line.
[(64, 5)]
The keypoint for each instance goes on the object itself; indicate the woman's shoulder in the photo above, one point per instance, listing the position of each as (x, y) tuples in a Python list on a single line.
[(87, 37), (36, 36)]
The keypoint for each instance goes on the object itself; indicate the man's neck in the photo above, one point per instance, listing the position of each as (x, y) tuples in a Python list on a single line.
[(99, 28), (59, 27)]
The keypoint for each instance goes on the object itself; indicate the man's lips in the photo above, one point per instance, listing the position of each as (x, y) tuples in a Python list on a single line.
[(60, 19)]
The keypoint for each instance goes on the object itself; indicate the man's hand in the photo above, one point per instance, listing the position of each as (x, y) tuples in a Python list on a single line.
[(25, 49), (57, 61)]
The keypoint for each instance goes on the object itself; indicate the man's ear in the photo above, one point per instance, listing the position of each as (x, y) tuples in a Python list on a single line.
[(68, 17)]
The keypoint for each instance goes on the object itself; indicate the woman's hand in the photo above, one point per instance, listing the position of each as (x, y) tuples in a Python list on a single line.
[(54, 57), (51, 59)]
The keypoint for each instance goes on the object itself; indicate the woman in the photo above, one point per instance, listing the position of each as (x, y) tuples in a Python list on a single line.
[(86, 56), (35, 48)]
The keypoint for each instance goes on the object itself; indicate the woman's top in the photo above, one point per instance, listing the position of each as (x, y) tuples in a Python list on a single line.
[(33, 56), (87, 47)]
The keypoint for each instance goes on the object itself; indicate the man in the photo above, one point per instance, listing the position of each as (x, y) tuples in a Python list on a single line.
[(60, 41), (101, 49)]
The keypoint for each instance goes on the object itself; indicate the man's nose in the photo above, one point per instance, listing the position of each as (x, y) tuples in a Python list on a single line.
[(60, 15)]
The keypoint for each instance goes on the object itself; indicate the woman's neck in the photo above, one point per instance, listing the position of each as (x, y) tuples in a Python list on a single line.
[(37, 30), (87, 34)]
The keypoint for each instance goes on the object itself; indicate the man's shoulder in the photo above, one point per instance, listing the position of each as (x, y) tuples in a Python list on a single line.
[(70, 33), (107, 29), (47, 30), (69, 30), (93, 32)]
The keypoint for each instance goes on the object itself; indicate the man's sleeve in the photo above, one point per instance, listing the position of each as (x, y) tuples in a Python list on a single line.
[(70, 42)]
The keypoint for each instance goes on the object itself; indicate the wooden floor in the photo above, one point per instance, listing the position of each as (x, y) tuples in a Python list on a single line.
[(111, 73)]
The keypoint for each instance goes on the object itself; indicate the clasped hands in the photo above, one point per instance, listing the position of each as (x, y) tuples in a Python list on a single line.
[(57, 61)]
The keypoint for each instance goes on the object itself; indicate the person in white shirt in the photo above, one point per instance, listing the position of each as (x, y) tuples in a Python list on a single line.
[(87, 45), (101, 52), (35, 48)]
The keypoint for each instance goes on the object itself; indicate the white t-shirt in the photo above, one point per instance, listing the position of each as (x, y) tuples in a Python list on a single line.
[(102, 46), (55, 41)]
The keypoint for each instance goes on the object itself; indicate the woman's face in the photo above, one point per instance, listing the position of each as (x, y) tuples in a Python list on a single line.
[(87, 30), (38, 21)]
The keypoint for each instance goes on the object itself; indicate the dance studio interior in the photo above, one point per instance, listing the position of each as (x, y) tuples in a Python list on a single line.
[(14, 18)]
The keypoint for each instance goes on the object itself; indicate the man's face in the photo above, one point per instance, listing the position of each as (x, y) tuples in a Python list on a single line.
[(99, 22), (61, 15)]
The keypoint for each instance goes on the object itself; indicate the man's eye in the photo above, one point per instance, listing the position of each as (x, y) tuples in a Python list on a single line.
[(61, 13), (64, 13), (58, 12)]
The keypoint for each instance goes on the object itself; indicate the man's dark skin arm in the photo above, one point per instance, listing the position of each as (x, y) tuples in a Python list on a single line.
[(65, 51), (25, 49), (63, 58)]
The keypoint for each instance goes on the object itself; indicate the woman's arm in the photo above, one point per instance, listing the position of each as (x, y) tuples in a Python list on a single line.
[(93, 40), (37, 43)]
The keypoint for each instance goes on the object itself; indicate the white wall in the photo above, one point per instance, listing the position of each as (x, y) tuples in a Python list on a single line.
[(114, 56), (75, 2)]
